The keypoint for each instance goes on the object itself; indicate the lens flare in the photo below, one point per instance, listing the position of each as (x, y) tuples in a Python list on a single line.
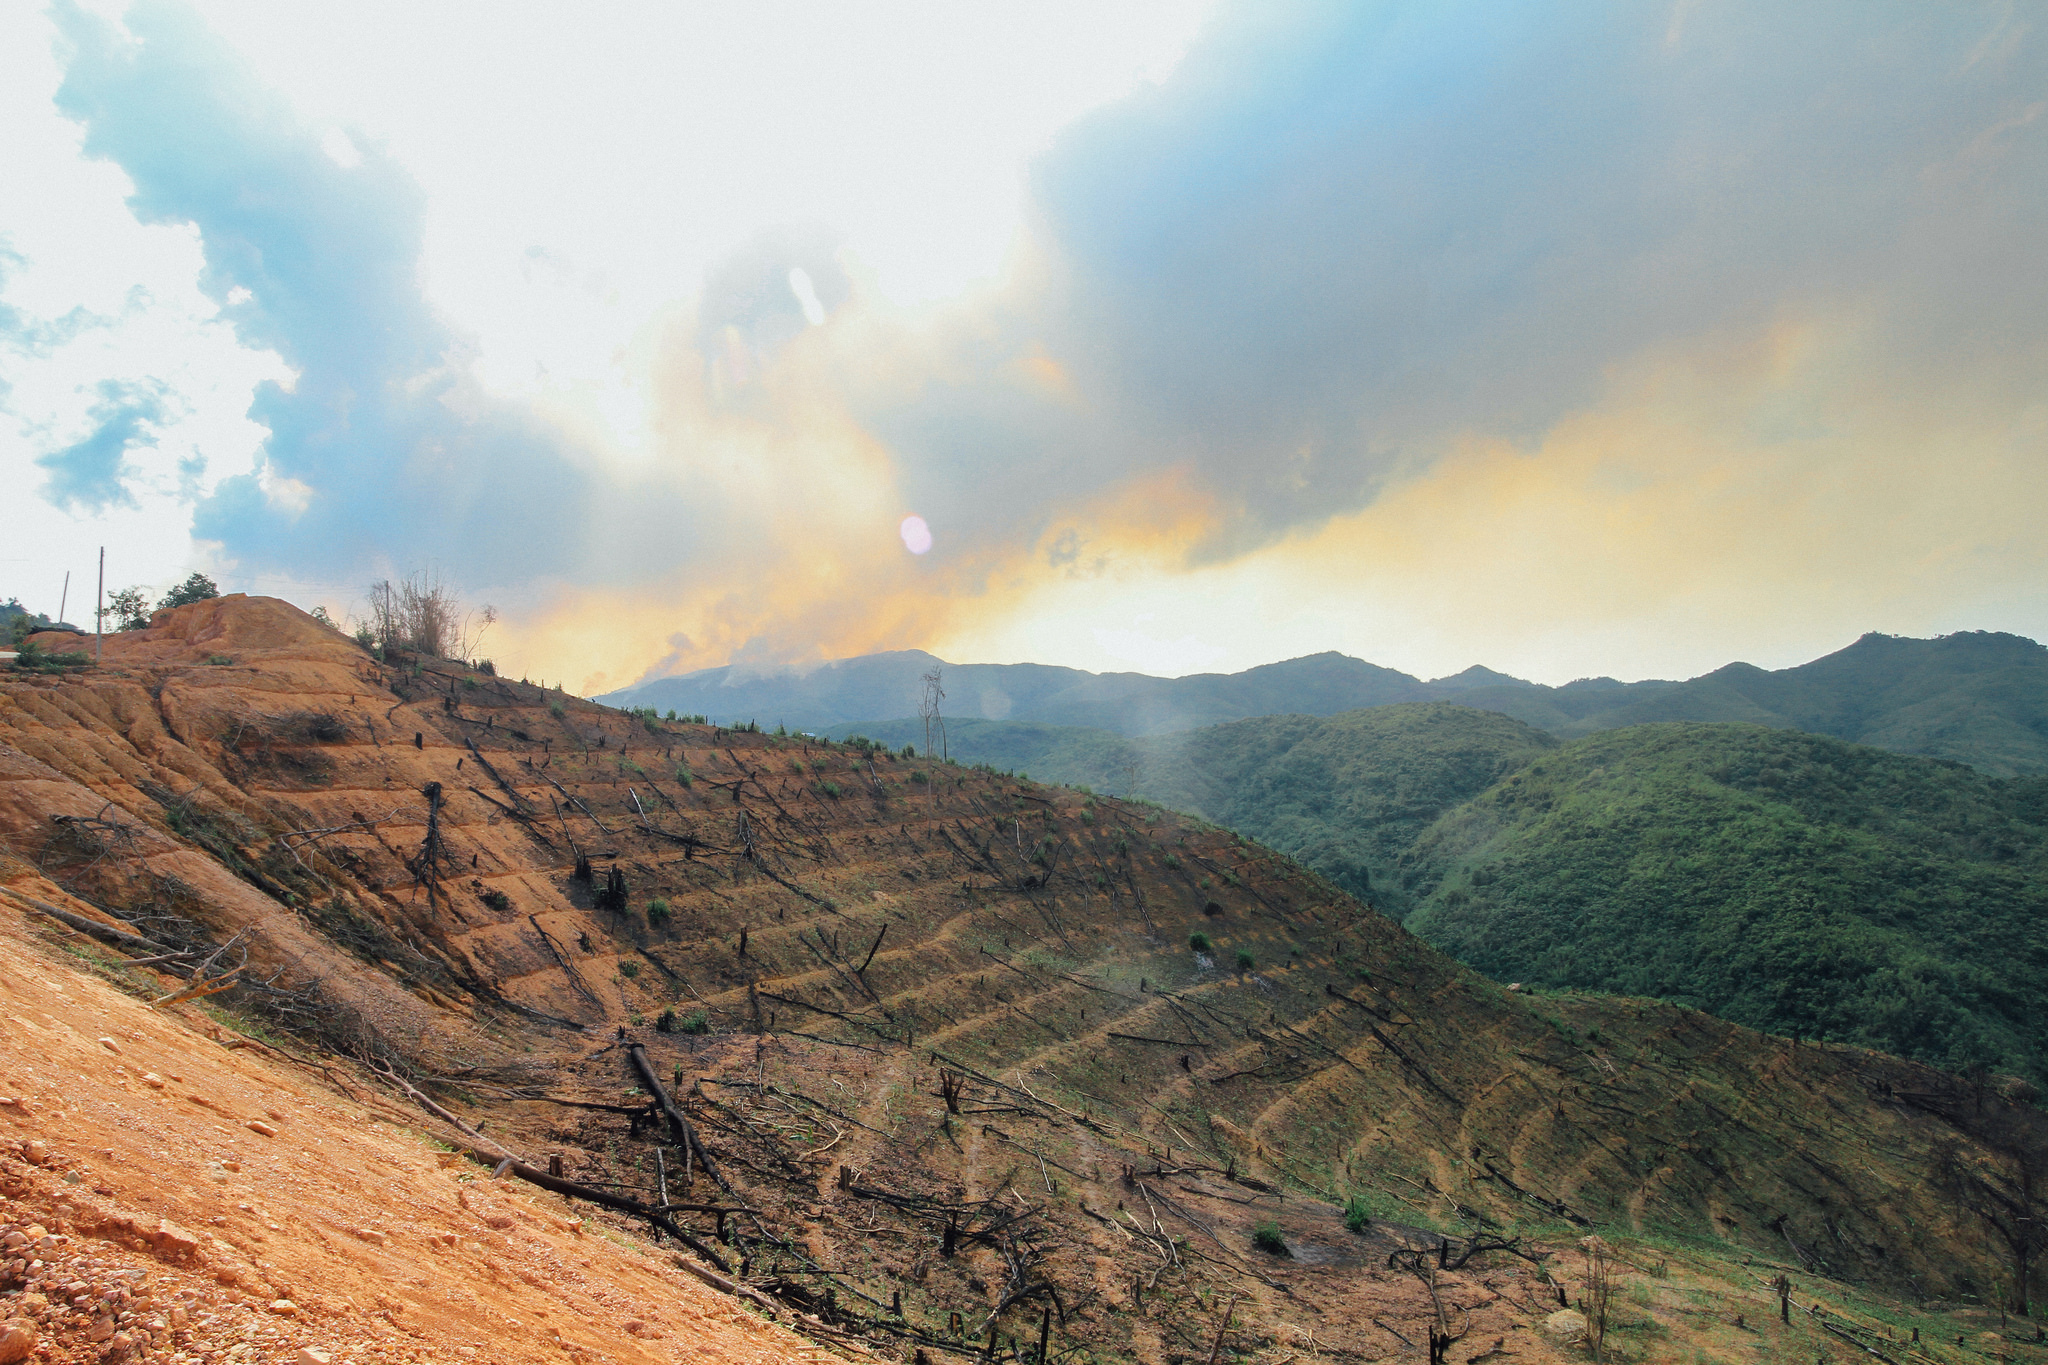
[(807, 296), (917, 537)]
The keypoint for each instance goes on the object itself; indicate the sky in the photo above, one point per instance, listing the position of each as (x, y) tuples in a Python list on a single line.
[(1573, 340)]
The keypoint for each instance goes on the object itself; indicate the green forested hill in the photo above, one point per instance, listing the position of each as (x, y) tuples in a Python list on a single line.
[(1977, 696), (1791, 882), (1344, 795)]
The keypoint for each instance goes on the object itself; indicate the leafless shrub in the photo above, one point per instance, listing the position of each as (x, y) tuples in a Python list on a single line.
[(1599, 1294), (424, 615)]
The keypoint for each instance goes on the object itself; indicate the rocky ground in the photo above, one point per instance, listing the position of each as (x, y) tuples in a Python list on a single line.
[(173, 1193)]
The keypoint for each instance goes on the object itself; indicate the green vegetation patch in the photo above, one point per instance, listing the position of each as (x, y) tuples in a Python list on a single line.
[(1793, 883)]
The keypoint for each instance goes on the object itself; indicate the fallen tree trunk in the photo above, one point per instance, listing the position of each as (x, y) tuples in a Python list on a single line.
[(105, 933), (679, 1126), (509, 1164)]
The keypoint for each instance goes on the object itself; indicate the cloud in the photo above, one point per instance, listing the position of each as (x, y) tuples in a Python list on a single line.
[(91, 474), (1344, 239), (1265, 313), (384, 444)]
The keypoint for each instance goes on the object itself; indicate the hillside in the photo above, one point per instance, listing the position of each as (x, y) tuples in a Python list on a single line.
[(1977, 697), (1789, 882), (911, 1076), (203, 1196), (1344, 795)]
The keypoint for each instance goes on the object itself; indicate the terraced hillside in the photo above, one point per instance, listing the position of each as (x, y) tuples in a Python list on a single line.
[(955, 1055)]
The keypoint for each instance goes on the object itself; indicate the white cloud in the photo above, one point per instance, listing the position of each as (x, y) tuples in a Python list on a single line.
[(95, 297)]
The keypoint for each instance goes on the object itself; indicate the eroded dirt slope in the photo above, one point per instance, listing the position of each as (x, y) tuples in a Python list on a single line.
[(956, 1057), (182, 1193)]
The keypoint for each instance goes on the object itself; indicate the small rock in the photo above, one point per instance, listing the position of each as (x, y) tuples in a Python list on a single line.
[(284, 1308), (102, 1329), (174, 1239), (17, 1340), (259, 1126), (152, 1080), (309, 1355), (36, 1152), (110, 1045), (1566, 1325)]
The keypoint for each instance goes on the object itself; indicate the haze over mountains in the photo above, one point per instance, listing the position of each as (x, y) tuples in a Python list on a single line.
[(1682, 840), (1979, 697)]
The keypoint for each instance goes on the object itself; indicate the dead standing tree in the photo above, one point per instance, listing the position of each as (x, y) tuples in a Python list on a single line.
[(928, 708), (425, 865)]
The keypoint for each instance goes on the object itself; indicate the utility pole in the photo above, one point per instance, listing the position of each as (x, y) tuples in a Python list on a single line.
[(65, 599), (99, 611)]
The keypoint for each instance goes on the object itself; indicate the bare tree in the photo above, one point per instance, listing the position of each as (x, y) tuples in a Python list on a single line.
[(1599, 1294), (422, 614), (929, 708)]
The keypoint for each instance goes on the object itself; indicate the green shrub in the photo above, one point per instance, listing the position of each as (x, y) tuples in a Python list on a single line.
[(1199, 942), (497, 900), (657, 912), (219, 660), (1245, 961), (555, 710), (696, 1021), (683, 774), (1171, 861), (1266, 1237), (1356, 1216), (629, 969), (830, 789), (668, 1022), (197, 588)]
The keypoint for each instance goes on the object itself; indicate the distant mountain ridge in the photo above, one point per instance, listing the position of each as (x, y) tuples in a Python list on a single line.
[(1978, 697), (887, 686)]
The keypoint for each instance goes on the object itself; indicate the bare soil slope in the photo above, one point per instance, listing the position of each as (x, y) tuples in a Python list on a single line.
[(942, 1037)]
